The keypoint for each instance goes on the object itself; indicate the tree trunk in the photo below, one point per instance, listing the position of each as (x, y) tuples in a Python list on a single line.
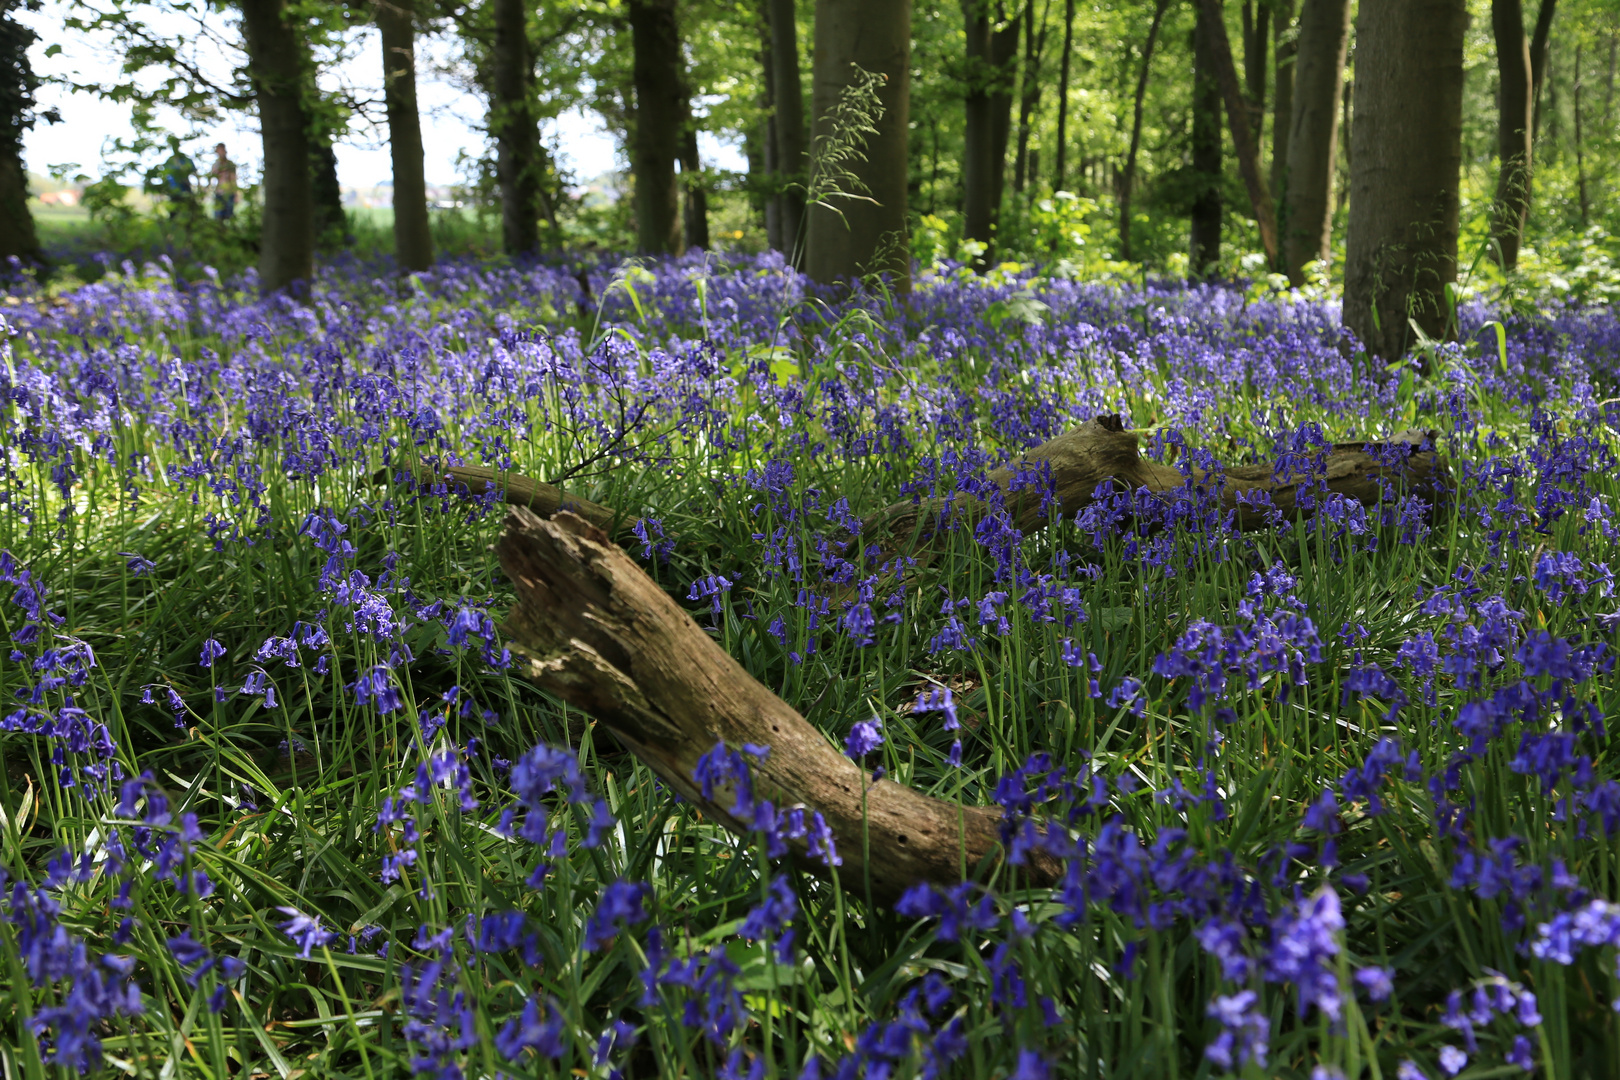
[(592, 628), (1285, 48), (1004, 57), (988, 105), (1207, 211), (1128, 178), (1608, 83), (1256, 39), (787, 110), (275, 61), (1029, 101), (517, 138), (1101, 455), (1538, 60), (413, 240), (1580, 152), (1313, 139), (1342, 177), (1514, 123), (331, 223), (768, 171), (18, 238), (536, 495), (695, 218), (656, 143), (1244, 141), (862, 232), (1058, 176), (1402, 245)]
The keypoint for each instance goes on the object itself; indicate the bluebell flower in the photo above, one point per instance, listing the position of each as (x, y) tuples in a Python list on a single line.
[(864, 737), (306, 931)]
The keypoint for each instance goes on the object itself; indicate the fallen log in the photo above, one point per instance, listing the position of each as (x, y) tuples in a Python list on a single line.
[(542, 498), (592, 628), (1102, 451)]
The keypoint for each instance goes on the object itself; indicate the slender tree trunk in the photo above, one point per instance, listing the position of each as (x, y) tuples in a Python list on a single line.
[(331, 224), (1058, 175), (1128, 178), (1207, 211), (1538, 59), (1256, 39), (275, 66), (1402, 246), (1004, 59), (1243, 139), (1313, 140), (787, 102), (696, 207), (1608, 83), (517, 139), (849, 237), (1030, 99), (18, 238), (1285, 48), (978, 154), (413, 240), (18, 86), (1514, 120), (1343, 173), (770, 170), (1580, 153), (656, 143)]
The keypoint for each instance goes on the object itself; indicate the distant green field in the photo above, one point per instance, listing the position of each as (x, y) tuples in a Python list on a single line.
[(61, 215)]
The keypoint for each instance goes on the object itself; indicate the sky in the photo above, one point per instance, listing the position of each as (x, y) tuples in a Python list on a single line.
[(91, 123)]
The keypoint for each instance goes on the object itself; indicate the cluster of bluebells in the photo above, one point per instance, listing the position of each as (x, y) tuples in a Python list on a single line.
[(1507, 655), (90, 990)]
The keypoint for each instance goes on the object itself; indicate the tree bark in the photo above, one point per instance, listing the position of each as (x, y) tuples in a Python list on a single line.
[(1256, 39), (1515, 106), (1101, 452), (1580, 152), (592, 628), (1402, 245), (1207, 211), (695, 211), (991, 48), (536, 496), (1244, 142), (18, 86), (1128, 178), (1284, 48), (764, 153), (1004, 56), (656, 143), (18, 238), (1058, 176), (413, 239), (517, 138), (1313, 139), (848, 237), (787, 110), (275, 67), (331, 223), (1538, 59), (1029, 100)]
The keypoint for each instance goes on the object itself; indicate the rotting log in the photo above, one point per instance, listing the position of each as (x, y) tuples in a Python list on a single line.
[(544, 499), (1103, 452), (592, 628)]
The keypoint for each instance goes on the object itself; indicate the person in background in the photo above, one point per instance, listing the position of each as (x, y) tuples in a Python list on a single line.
[(178, 171), (224, 176)]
